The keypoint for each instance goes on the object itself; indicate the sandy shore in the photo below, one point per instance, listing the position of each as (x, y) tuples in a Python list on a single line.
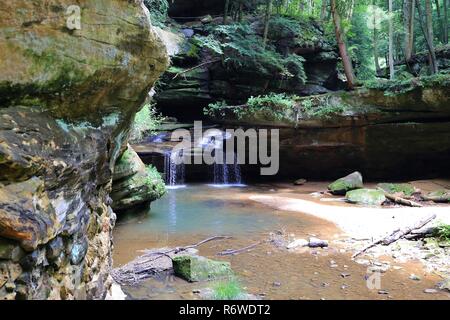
[(357, 222)]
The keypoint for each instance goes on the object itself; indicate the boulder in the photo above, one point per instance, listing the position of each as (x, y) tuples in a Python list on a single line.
[(127, 165), (196, 268), (343, 185), (370, 197), (438, 196), (134, 183)]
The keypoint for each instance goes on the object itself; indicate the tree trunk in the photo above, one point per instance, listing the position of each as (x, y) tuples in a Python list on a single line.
[(446, 21), (429, 20), (409, 13), (267, 21), (348, 68), (241, 12), (375, 43), (323, 12), (391, 42), (226, 11), (440, 17)]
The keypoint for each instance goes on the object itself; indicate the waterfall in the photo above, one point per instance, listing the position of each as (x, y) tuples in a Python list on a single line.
[(175, 173), (227, 173)]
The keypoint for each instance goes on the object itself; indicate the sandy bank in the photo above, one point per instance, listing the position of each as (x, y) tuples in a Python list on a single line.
[(357, 222)]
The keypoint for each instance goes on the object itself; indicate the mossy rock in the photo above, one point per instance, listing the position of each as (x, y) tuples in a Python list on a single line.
[(343, 185), (196, 268), (370, 197), (403, 189), (438, 196), (127, 165)]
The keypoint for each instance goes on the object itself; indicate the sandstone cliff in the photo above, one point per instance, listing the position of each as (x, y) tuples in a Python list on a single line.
[(67, 98)]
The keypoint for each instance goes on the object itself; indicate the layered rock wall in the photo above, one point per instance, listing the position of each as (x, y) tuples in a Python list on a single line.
[(67, 97)]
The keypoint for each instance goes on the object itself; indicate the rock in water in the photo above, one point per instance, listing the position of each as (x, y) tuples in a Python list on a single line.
[(351, 182), (196, 268), (317, 243), (438, 196), (297, 243), (67, 99), (370, 197)]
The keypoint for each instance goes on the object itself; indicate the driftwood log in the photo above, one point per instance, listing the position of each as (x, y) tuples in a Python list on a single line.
[(401, 200), (230, 252), (152, 262), (397, 235)]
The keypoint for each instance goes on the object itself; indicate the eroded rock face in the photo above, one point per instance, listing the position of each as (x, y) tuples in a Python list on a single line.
[(67, 98)]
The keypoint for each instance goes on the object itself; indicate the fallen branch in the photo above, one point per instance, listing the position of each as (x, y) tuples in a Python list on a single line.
[(400, 200), (396, 235), (151, 263), (230, 252), (196, 67)]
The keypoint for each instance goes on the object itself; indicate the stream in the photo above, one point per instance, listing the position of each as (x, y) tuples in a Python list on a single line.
[(194, 212)]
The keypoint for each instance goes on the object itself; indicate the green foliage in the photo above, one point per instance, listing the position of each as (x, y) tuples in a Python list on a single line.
[(158, 11), (242, 48), (442, 232), (216, 109), (398, 86), (273, 106), (145, 122), (322, 107), (155, 181), (227, 290)]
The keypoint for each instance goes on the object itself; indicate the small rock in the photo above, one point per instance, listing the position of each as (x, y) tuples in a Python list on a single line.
[(325, 284), (430, 291), (345, 274), (383, 292), (414, 277), (276, 284), (317, 243), (300, 182), (78, 251), (297, 243), (344, 286)]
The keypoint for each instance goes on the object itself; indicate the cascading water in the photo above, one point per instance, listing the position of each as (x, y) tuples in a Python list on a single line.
[(175, 173), (227, 173), (224, 173)]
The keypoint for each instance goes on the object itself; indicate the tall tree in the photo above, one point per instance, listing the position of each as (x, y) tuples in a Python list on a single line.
[(408, 14), (446, 2), (440, 17), (375, 37), (429, 19), (269, 4), (391, 40), (226, 11), (427, 30), (348, 68), (323, 11)]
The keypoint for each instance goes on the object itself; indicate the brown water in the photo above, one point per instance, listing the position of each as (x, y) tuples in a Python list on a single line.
[(186, 216)]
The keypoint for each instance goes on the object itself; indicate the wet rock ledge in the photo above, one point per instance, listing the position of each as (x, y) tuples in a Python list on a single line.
[(67, 98)]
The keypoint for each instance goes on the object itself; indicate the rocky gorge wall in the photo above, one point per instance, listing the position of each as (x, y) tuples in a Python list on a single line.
[(67, 98)]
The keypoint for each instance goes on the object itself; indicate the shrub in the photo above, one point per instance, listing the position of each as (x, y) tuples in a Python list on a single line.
[(227, 290), (145, 122), (155, 181), (158, 11), (442, 232)]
